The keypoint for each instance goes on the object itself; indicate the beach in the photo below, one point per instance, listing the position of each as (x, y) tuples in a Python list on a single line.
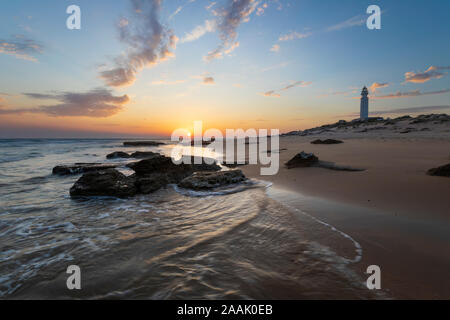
[(398, 213)]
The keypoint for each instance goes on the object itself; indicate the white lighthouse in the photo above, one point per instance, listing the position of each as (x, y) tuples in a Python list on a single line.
[(364, 111)]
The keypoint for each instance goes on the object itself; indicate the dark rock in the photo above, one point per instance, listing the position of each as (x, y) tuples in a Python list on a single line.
[(143, 154), (333, 166), (302, 159), (157, 164), (81, 168), (118, 154), (209, 180), (142, 143), (150, 183), (442, 171), (326, 141), (109, 182)]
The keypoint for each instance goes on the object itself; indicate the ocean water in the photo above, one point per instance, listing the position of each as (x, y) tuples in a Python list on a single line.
[(239, 243)]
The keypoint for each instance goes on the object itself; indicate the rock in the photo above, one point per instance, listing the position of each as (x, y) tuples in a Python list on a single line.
[(142, 143), (442, 171), (333, 166), (209, 180), (326, 141), (117, 154), (109, 182), (143, 154), (81, 168), (157, 164), (302, 159), (150, 183)]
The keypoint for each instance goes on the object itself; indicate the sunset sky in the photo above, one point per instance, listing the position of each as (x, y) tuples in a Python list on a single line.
[(146, 67)]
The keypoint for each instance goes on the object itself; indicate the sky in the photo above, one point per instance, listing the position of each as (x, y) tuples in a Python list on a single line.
[(143, 68)]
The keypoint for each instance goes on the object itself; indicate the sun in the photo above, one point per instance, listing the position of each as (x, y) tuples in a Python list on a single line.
[(189, 134)]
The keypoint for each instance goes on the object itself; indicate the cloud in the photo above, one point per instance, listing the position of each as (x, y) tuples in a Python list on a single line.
[(422, 77), (352, 22), (228, 20), (293, 36), (376, 85), (97, 103), (148, 43), (275, 48), (200, 31), (297, 84), (408, 94), (21, 48), (208, 80), (273, 93), (177, 11)]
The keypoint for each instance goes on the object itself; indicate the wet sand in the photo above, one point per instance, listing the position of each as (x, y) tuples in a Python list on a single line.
[(397, 213)]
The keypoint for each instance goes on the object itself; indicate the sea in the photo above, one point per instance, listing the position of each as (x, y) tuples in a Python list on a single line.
[(249, 241)]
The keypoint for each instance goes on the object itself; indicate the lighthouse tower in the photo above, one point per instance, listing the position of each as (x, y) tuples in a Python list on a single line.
[(364, 111)]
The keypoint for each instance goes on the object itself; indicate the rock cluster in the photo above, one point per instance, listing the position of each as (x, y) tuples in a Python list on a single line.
[(151, 174), (77, 168)]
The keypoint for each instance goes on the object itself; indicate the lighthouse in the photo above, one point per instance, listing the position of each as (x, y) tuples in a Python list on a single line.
[(364, 111)]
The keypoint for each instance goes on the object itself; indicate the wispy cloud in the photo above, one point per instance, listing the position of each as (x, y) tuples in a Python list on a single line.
[(297, 84), (275, 48), (97, 103), (21, 47), (148, 43), (294, 36), (200, 31), (208, 80), (228, 20), (432, 72), (408, 94), (352, 22), (271, 93), (274, 93), (377, 85)]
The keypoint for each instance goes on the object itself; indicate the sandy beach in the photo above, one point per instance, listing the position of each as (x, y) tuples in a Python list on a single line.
[(398, 213)]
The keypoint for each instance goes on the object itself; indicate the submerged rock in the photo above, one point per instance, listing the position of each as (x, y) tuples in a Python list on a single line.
[(143, 154), (302, 159), (118, 154), (209, 180), (109, 182), (442, 171), (326, 141), (81, 168), (142, 143)]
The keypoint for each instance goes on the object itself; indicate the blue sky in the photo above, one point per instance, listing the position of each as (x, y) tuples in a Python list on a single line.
[(278, 64)]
